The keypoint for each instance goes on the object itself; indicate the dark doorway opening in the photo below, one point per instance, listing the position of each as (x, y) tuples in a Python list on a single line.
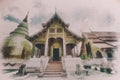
[(110, 53), (56, 54), (23, 54), (41, 50), (99, 54), (89, 52)]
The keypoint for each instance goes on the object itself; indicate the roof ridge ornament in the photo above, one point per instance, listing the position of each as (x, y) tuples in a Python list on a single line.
[(55, 10), (26, 18), (56, 14), (22, 28)]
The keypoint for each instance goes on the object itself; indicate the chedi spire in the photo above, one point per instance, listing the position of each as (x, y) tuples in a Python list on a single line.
[(22, 28)]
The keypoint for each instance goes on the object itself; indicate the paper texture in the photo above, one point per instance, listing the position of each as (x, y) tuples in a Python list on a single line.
[(59, 39)]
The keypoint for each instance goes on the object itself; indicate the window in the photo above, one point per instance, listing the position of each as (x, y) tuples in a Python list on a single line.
[(52, 30), (59, 30)]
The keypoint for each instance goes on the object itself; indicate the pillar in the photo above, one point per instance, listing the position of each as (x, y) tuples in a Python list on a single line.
[(74, 52), (46, 44), (64, 45), (77, 49), (33, 50), (38, 53)]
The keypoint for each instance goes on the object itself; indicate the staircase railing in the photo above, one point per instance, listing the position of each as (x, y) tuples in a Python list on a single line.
[(44, 62), (64, 67)]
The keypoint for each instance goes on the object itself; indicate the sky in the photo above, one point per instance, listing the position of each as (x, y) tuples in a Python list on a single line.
[(98, 15)]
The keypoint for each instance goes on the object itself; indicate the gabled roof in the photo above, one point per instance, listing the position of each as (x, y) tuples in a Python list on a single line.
[(78, 37), (31, 38), (103, 39), (55, 18)]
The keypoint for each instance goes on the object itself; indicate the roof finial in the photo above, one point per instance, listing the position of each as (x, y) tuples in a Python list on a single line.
[(55, 10), (25, 19)]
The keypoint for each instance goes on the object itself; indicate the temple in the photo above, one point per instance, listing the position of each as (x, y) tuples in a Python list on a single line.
[(55, 40), (56, 50)]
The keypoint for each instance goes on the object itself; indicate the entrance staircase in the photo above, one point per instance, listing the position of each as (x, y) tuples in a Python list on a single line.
[(53, 69)]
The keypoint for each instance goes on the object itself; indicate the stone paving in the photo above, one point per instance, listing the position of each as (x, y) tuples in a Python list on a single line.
[(93, 75)]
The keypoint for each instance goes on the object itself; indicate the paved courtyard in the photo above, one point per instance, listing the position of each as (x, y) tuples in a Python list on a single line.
[(93, 75)]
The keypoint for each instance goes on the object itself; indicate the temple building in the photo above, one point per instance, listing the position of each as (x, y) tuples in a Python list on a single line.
[(106, 41), (55, 40)]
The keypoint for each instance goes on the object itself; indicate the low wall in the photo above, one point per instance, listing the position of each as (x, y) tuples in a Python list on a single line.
[(70, 64)]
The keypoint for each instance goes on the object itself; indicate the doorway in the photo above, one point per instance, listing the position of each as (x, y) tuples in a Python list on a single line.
[(55, 54), (99, 54)]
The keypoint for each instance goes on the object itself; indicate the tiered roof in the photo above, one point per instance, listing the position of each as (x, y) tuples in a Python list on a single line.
[(22, 28)]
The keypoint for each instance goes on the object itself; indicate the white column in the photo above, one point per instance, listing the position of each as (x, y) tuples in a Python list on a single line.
[(36, 51), (64, 45), (74, 52), (33, 50), (77, 49), (46, 44), (37, 55)]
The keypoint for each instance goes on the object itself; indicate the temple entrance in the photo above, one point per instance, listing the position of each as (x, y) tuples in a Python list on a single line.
[(55, 50), (41, 49), (98, 54), (56, 54)]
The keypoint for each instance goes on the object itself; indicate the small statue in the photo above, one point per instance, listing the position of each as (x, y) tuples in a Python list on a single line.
[(78, 71)]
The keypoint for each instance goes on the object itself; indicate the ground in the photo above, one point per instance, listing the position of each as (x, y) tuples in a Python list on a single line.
[(93, 75)]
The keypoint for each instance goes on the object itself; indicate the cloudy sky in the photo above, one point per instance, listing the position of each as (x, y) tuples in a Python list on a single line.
[(99, 15)]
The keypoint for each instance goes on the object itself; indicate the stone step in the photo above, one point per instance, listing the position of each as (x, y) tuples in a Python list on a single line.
[(54, 66), (52, 73), (53, 70), (55, 62)]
